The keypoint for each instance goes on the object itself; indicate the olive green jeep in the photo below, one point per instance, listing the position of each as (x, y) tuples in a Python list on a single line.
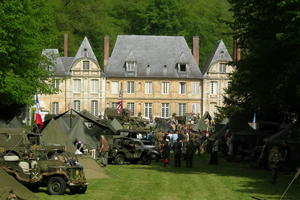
[(56, 172)]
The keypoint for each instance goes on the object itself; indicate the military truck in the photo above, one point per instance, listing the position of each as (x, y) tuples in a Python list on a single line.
[(56, 172), (133, 150)]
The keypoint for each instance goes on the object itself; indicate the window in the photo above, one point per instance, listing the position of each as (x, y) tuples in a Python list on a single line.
[(114, 87), (213, 87), (165, 87), (148, 88), (182, 67), (182, 87), (55, 108), (130, 65), (195, 108), (55, 84), (114, 105), (86, 65), (181, 109), (164, 110), (94, 86), (222, 67), (76, 105), (195, 88), (94, 107), (130, 87), (130, 107), (77, 86), (50, 68), (148, 110)]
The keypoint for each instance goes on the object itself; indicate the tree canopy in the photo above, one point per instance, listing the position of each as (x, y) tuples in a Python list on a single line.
[(26, 28), (267, 77)]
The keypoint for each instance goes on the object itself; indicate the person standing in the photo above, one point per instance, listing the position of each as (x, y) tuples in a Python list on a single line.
[(214, 153), (190, 150), (274, 161), (104, 148), (166, 153), (177, 153)]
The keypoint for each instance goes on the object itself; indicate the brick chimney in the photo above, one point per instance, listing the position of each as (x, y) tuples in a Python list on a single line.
[(65, 45), (236, 51), (196, 48), (106, 50)]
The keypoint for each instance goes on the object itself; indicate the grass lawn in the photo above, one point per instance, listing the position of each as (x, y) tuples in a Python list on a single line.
[(227, 181)]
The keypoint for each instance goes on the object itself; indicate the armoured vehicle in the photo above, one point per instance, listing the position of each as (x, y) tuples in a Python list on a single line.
[(56, 172), (132, 150)]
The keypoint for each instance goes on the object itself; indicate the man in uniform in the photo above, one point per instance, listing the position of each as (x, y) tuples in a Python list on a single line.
[(177, 153), (190, 150), (104, 148)]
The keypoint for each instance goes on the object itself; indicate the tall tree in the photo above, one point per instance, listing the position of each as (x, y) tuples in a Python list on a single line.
[(26, 28), (267, 76)]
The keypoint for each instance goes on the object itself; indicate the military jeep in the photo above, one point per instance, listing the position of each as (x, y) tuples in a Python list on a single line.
[(56, 172), (132, 150)]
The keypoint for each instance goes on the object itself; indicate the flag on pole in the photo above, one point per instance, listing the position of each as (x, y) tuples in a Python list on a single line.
[(38, 116), (120, 103)]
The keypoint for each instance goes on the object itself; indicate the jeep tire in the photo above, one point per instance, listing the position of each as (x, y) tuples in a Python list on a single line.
[(120, 159), (145, 159), (56, 186), (78, 189)]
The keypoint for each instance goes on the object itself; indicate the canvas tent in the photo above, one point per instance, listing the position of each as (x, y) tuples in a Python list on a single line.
[(81, 133), (115, 125), (10, 186), (53, 134)]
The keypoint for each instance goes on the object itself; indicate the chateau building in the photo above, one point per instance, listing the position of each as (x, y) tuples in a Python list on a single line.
[(156, 76), (78, 79)]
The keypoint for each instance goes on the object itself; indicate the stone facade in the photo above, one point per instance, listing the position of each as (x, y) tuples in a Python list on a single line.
[(157, 76)]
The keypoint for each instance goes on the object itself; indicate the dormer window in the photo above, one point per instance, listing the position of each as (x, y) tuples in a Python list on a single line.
[(50, 68), (130, 66), (85, 52), (86, 65), (181, 67)]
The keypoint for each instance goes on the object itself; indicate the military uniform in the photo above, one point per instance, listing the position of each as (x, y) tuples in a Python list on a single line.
[(274, 161)]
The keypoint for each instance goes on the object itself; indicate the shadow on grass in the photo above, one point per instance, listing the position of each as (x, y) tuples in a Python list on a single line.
[(256, 181)]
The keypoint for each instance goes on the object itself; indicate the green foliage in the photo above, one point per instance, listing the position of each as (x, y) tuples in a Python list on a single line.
[(26, 28), (95, 19), (267, 77)]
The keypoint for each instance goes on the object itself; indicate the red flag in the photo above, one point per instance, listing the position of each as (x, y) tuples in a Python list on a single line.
[(120, 103), (38, 117)]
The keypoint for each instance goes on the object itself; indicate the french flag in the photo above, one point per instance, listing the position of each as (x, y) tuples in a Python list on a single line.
[(38, 117)]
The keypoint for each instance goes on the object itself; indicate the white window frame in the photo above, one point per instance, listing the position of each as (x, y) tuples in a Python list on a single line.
[(195, 108), (130, 66), (181, 109), (148, 110), (55, 108), (195, 88), (76, 105), (148, 87), (85, 65), (222, 67), (131, 108), (94, 86), (165, 87), (55, 84), (76, 85), (213, 87), (94, 107), (130, 87), (115, 87), (165, 108), (182, 87)]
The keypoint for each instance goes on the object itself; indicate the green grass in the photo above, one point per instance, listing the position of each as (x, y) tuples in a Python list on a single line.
[(227, 181)]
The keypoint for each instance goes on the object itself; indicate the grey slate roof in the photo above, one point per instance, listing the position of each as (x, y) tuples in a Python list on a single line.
[(62, 65), (155, 57), (85, 51), (220, 54)]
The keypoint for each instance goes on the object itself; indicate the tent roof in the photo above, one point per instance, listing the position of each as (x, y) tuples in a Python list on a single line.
[(53, 133), (8, 183)]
